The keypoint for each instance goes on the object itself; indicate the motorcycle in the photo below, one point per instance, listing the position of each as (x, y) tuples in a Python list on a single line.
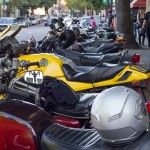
[(25, 126), (88, 78), (104, 48), (48, 45), (54, 97)]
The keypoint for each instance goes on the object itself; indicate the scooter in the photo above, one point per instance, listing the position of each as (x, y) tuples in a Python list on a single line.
[(25, 126)]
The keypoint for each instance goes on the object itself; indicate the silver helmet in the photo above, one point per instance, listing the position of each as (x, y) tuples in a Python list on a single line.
[(119, 115)]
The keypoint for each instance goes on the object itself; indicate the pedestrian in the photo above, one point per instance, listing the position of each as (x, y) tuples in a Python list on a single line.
[(115, 22), (134, 22), (92, 22), (146, 25), (140, 19), (110, 19)]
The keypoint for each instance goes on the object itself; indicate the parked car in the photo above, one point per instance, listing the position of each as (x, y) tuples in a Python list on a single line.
[(34, 20), (7, 21), (24, 21), (39, 18), (44, 18)]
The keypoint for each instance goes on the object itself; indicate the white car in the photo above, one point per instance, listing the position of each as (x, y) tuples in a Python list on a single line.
[(7, 21), (34, 20), (24, 21)]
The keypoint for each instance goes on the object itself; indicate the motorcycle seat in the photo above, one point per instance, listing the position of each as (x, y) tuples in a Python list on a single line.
[(66, 138), (80, 110), (102, 47), (98, 73), (88, 60), (87, 43)]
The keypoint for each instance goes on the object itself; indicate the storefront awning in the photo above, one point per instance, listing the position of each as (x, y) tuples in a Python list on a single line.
[(138, 3)]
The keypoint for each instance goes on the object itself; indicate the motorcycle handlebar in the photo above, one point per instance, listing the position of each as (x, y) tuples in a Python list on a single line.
[(15, 92), (26, 64), (4, 89), (33, 64)]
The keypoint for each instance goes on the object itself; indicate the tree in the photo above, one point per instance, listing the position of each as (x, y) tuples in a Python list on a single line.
[(124, 22), (96, 5), (23, 5), (81, 4), (77, 4), (47, 4)]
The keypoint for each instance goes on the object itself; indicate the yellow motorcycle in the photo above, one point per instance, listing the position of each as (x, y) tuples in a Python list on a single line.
[(88, 79)]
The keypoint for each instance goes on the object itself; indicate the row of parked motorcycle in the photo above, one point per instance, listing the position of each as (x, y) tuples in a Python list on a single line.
[(63, 94)]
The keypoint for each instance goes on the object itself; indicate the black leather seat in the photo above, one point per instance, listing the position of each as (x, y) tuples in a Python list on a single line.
[(87, 43), (81, 109), (60, 137), (102, 47), (87, 60), (96, 74)]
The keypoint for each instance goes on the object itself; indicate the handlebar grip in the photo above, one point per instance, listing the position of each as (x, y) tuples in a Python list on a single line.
[(15, 92), (4, 89), (33, 64)]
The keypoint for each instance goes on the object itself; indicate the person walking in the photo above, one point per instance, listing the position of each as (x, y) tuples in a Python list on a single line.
[(140, 19), (134, 21), (92, 22), (146, 24), (110, 19)]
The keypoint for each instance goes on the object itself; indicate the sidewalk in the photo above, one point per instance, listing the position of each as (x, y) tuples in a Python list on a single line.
[(144, 55), (144, 52)]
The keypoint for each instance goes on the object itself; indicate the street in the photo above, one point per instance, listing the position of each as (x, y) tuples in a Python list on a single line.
[(37, 31)]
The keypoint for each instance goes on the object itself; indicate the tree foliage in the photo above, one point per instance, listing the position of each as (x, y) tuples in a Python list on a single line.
[(77, 4), (81, 4), (47, 3), (33, 4)]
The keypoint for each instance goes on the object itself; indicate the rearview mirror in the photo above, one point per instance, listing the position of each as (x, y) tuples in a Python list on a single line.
[(34, 77)]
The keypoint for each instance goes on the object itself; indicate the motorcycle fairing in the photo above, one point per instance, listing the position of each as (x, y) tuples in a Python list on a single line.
[(54, 69), (28, 112)]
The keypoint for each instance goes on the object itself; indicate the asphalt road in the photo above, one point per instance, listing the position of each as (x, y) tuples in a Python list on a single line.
[(37, 31)]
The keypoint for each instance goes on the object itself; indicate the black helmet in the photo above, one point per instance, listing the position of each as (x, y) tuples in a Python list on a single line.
[(55, 24), (76, 30), (67, 38), (60, 18), (141, 31)]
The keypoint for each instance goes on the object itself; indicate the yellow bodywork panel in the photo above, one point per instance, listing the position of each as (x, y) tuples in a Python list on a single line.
[(54, 69)]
